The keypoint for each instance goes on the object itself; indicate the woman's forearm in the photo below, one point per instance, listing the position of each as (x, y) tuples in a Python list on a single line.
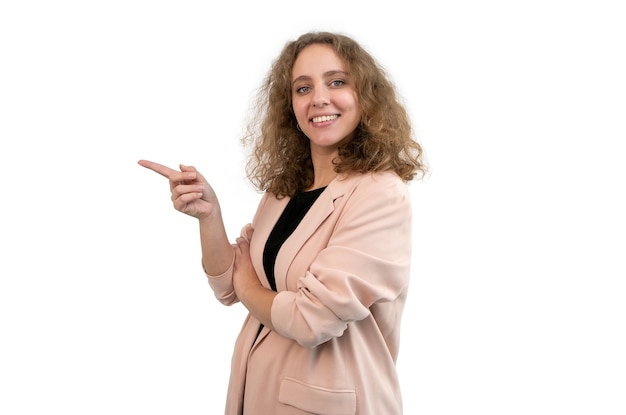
[(217, 252)]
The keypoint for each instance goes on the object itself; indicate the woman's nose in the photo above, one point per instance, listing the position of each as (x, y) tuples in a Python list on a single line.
[(320, 97)]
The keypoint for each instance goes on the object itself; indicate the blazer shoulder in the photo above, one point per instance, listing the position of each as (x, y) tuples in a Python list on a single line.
[(386, 181), (368, 188)]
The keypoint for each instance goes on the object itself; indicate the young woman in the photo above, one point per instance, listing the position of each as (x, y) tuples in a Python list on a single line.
[(323, 268)]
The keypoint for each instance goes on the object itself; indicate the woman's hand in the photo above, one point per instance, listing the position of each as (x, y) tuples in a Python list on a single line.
[(252, 294), (244, 275), (191, 193)]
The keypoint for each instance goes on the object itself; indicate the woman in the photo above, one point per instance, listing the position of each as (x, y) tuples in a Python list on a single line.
[(323, 268)]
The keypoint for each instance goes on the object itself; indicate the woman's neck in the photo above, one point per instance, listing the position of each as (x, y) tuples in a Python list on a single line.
[(323, 169)]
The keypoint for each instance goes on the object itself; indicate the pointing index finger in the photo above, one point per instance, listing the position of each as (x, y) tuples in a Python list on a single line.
[(158, 168)]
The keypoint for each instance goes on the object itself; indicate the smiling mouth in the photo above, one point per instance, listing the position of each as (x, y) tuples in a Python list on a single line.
[(324, 118)]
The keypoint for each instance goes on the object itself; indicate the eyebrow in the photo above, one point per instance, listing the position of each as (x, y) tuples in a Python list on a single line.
[(326, 75)]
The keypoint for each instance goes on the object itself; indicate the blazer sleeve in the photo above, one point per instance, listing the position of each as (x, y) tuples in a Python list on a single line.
[(366, 261)]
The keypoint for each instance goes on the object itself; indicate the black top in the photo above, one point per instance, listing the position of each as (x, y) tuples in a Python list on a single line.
[(289, 220)]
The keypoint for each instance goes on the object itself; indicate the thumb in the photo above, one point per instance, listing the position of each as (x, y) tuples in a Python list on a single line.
[(191, 169), (187, 168)]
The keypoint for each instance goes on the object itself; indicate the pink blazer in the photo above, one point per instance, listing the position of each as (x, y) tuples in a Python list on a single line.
[(342, 280)]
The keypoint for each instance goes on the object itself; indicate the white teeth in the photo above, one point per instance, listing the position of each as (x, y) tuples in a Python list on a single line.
[(325, 118)]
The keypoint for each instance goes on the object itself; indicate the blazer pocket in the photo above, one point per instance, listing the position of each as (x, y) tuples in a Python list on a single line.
[(316, 399)]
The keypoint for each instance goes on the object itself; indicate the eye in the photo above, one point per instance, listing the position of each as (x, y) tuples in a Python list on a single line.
[(337, 82), (302, 90)]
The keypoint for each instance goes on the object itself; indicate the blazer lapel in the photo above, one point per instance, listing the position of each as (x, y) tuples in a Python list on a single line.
[(321, 209)]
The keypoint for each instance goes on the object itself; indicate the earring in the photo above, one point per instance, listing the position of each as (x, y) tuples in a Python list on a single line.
[(298, 127)]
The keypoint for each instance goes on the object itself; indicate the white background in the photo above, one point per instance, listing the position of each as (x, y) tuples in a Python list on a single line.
[(517, 299)]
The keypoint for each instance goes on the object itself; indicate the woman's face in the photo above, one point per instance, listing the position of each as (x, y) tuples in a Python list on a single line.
[(324, 99)]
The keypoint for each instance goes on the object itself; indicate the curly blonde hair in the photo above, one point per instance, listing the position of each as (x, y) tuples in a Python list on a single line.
[(281, 158)]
